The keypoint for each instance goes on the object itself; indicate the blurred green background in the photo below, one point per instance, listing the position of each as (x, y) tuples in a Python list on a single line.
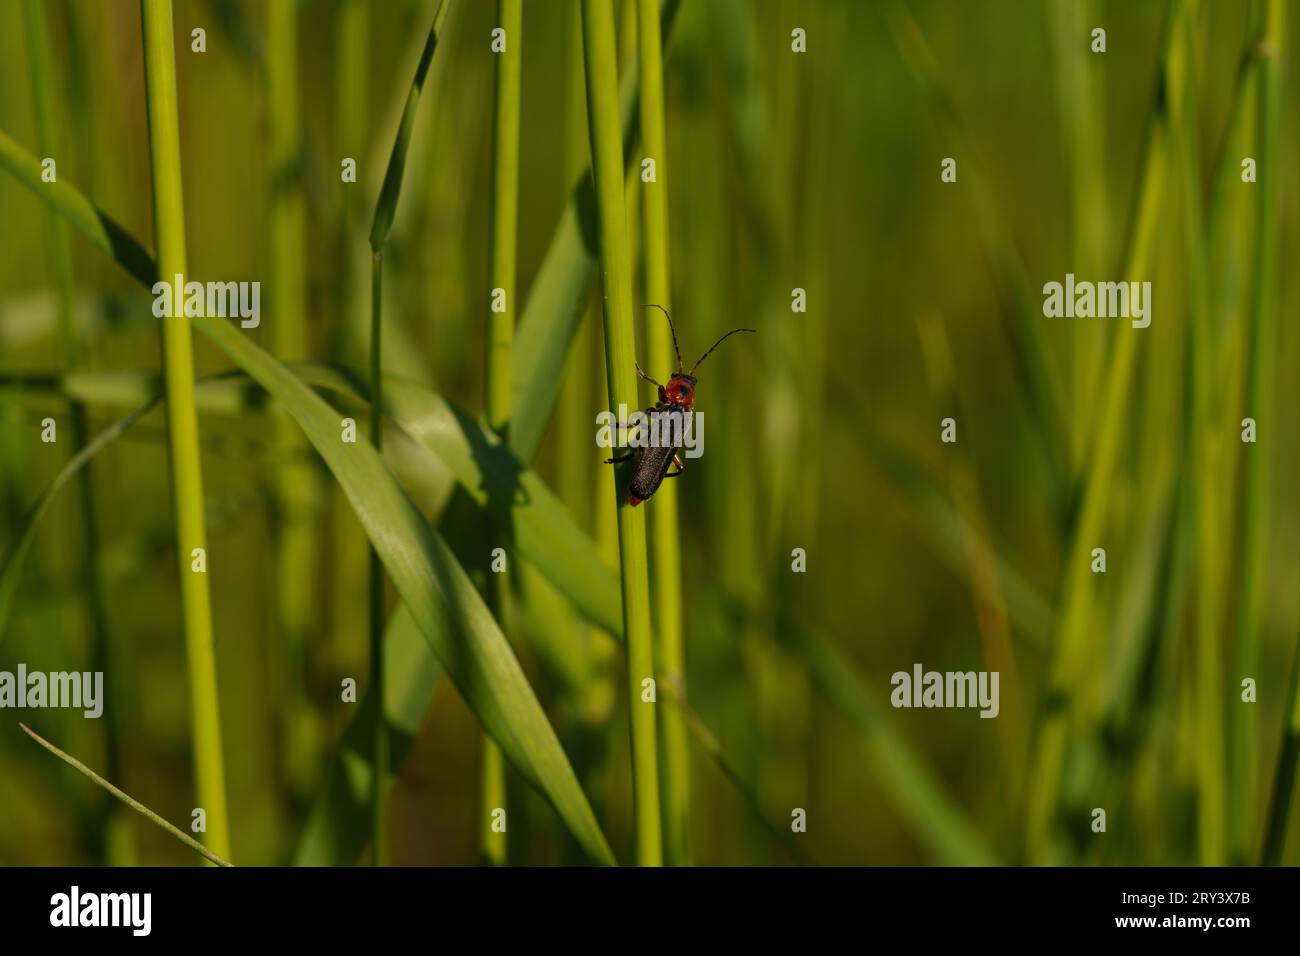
[(816, 170)]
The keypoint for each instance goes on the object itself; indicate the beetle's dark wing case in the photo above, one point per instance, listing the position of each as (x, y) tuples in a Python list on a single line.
[(651, 466)]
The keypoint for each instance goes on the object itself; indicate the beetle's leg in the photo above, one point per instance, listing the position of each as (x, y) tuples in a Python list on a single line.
[(677, 460), (640, 371), (617, 459)]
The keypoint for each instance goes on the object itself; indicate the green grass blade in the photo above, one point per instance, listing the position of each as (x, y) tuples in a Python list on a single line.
[(386, 207), (182, 418), (550, 317), (1263, 346), (379, 852), (297, 496), (385, 210), (1071, 653), (665, 546), (92, 222), (503, 241), (134, 804), (542, 531), (16, 553), (477, 657), (616, 289), (1207, 447)]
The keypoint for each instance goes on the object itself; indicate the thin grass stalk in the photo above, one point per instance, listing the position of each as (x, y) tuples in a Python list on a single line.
[(500, 342), (1084, 148), (1067, 669), (379, 847), (579, 472), (1207, 442), (117, 838), (131, 802), (1256, 482), (665, 548), (349, 560), (1230, 228), (59, 251), (296, 490), (385, 210), (616, 289), (182, 419)]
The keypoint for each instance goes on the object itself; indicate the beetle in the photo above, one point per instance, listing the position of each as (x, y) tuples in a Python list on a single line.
[(672, 413)]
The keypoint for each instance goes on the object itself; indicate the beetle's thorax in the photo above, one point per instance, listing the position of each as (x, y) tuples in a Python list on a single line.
[(679, 391)]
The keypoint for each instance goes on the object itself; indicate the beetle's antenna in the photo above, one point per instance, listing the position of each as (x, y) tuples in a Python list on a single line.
[(714, 346), (640, 371), (651, 305)]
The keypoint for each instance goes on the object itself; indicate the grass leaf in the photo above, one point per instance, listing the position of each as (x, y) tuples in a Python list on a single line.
[(131, 802), (477, 657)]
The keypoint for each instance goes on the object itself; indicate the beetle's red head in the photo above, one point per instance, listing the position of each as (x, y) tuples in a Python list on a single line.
[(680, 391)]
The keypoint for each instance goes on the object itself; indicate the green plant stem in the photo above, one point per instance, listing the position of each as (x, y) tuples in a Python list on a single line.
[(616, 289), (134, 804), (296, 491), (1068, 669), (1207, 450), (1256, 482), (385, 209), (379, 853), (60, 255), (426, 572), (182, 419), (664, 544), (500, 340)]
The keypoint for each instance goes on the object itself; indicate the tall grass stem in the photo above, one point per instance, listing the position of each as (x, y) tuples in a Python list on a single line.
[(182, 420), (664, 545), (616, 288), (500, 341)]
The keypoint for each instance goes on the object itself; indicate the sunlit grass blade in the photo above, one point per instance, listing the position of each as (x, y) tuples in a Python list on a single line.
[(16, 552), (1207, 447), (670, 655), (385, 209), (1070, 655), (503, 239), (182, 419), (134, 804), (297, 495), (1260, 402), (92, 222), (616, 290), (551, 314), (477, 657), (338, 826), (543, 532)]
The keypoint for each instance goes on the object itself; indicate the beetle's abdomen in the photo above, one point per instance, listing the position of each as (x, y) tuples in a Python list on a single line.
[(651, 467)]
